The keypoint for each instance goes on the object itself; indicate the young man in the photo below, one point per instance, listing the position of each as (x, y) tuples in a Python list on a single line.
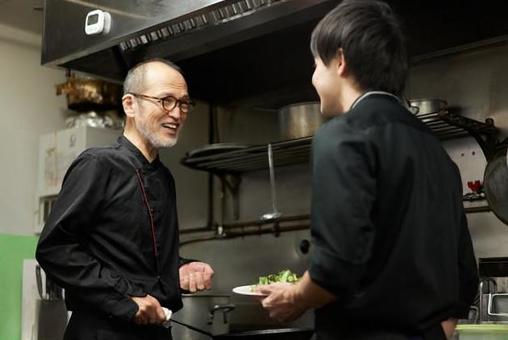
[(112, 237), (392, 256)]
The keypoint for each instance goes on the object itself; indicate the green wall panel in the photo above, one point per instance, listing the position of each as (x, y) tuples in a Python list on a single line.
[(13, 250)]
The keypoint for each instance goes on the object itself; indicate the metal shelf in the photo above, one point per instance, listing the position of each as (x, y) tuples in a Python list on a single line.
[(445, 125), (253, 158)]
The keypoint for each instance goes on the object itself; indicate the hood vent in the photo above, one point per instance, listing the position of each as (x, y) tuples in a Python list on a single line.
[(174, 29), (220, 15)]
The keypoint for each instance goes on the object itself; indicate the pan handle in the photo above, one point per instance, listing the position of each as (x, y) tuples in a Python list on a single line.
[(225, 310), (192, 328)]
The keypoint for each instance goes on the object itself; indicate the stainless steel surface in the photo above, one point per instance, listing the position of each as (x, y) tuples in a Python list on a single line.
[(299, 120), (172, 28), (274, 214)]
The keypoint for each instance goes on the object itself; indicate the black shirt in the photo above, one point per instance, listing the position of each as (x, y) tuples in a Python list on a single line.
[(389, 232), (113, 233)]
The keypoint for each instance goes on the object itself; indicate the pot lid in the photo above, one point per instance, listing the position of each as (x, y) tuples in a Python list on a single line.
[(495, 185)]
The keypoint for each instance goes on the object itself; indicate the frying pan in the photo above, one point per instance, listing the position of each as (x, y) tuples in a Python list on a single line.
[(495, 183)]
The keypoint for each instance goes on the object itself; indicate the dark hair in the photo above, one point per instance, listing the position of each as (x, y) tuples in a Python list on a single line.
[(135, 77), (370, 37)]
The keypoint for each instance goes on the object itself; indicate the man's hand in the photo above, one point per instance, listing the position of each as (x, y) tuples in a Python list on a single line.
[(196, 276), (149, 312), (281, 303), (449, 327), (286, 301)]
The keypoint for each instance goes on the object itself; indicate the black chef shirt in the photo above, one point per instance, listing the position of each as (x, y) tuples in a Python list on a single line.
[(113, 233), (389, 231)]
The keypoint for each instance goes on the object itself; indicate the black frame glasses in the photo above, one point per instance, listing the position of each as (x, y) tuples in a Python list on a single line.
[(169, 102)]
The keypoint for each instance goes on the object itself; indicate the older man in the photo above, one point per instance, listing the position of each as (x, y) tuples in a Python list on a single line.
[(112, 238)]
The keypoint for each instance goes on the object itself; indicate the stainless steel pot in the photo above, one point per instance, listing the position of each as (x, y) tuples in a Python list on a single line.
[(208, 313), (427, 106), (299, 120)]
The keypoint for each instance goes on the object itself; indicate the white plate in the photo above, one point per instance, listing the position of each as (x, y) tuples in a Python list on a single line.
[(246, 290)]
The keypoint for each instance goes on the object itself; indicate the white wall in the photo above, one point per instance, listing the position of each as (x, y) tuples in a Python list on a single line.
[(477, 82), (29, 107)]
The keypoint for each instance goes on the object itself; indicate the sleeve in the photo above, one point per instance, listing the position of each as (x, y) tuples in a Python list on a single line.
[(62, 251), (468, 272), (343, 192), (186, 261)]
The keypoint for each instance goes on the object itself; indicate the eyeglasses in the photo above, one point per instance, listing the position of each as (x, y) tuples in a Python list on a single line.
[(169, 102)]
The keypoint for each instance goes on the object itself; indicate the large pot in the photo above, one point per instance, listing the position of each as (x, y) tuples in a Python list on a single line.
[(299, 120), (204, 313)]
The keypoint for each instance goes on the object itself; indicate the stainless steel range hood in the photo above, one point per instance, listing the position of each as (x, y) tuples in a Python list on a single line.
[(235, 49), (175, 29)]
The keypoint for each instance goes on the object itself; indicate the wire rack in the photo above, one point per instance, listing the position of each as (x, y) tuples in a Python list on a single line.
[(253, 158), (445, 125)]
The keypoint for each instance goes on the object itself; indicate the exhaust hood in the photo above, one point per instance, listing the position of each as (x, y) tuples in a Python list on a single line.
[(175, 29), (231, 50)]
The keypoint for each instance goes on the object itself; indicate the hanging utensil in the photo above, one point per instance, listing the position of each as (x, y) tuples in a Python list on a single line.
[(274, 214)]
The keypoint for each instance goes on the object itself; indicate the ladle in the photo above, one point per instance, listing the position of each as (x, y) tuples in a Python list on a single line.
[(274, 214)]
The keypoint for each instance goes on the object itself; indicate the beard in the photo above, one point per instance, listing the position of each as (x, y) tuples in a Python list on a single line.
[(155, 141)]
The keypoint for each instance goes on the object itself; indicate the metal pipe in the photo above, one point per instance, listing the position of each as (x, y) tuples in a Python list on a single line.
[(231, 235), (471, 210), (196, 230), (255, 223), (279, 230)]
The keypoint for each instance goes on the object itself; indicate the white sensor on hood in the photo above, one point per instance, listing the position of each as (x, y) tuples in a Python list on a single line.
[(97, 22)]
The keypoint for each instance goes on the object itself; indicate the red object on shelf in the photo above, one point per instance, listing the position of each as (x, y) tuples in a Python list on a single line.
[(475, 186)]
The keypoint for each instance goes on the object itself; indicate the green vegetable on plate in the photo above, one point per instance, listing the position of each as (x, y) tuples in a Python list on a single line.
[(285, 276)]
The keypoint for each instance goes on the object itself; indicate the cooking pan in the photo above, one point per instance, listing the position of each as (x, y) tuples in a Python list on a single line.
[(495, 183)]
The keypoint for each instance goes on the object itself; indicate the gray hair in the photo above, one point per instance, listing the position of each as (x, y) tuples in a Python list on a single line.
[(135, 78)]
